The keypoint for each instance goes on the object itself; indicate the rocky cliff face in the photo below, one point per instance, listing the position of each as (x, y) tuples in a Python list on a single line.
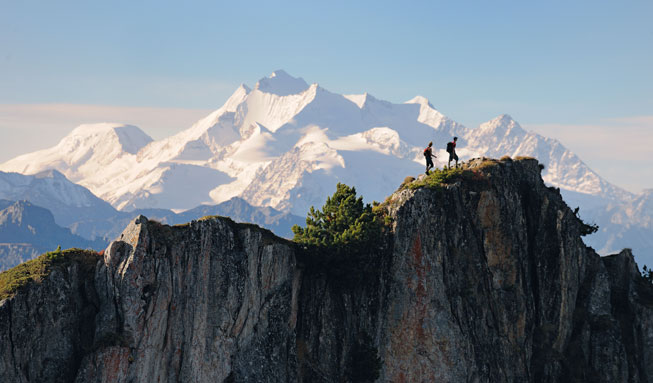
[(482, 280), (47, 327)]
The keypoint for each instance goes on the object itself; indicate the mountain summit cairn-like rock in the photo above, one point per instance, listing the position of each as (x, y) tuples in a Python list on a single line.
[(482, 276)]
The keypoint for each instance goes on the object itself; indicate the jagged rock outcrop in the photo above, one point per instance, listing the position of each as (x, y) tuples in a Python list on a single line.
[(196, 303), (485, 279)]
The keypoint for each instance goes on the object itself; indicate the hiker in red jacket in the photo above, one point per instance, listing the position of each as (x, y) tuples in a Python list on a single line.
[(428, 154), (451, 149)]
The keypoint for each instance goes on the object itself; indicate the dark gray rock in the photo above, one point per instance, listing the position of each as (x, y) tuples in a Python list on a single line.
[(47, 327), (482, 280), (196, 303)]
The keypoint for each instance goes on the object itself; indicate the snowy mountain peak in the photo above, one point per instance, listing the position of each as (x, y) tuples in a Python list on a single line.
[(84, 152), (281, 84), (421, 100), (365, 99), (47, 188), (284, 144), (358, 99), (428, 114), (504, 119), (283, 135), (236, 98), (130, 138), (502, 125)]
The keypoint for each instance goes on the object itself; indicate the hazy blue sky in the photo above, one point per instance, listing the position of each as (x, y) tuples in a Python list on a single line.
[(565, 69)]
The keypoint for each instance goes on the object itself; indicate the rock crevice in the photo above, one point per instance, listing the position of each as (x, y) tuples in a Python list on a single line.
[(484, 279)]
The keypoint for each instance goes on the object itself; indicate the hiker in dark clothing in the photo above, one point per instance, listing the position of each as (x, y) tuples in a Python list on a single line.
[(428, 154), (451, 149)]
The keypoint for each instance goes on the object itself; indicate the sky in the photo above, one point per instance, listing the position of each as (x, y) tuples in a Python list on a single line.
[(578, 71)]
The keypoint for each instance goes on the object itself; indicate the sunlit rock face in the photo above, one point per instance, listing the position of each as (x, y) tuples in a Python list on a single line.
[(485, 279)]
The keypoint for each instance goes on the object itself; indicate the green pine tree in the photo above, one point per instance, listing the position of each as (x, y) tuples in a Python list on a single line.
[(345, 223)]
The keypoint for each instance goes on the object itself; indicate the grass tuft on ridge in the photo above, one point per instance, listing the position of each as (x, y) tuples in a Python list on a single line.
[(38, 268)]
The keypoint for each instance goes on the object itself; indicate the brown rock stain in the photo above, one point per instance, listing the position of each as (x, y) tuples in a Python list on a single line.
[(114, 361), (498, 247), (409, 338)]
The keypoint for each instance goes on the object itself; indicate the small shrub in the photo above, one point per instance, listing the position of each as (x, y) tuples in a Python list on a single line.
[(505, 158), (585, 229), (380, 210), (647, 274), (407, 181), (487, 162)]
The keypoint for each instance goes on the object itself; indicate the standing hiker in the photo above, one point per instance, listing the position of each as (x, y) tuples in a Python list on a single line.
[(428, 154), (451, 149)]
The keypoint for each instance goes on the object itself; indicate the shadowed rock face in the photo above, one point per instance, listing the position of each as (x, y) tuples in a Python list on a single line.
[(47, 328), (483, 280)]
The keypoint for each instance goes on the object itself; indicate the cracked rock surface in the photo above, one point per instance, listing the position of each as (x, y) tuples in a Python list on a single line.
[(485, 279)]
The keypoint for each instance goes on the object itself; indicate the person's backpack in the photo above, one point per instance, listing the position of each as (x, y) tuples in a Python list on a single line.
[(426, 151), (449, 147)]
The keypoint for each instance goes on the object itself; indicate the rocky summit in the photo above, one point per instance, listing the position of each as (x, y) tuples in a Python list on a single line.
[(480, 278)]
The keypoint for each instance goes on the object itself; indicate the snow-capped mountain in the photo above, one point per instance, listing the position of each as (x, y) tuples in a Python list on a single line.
[(624, 224), (285, 144), (67, 201), (84, 151), (88, 216), (504, 136), (283, 140)]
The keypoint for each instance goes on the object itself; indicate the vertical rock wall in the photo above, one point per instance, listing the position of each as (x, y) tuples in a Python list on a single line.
[(483, 280), (205, 302), (47, 327), (487, 280)]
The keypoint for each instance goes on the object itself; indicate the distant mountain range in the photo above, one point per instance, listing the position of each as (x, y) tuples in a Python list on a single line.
[(284, 144), (27, 230)]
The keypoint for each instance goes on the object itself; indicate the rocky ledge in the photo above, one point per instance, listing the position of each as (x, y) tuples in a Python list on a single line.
[(482, 278)]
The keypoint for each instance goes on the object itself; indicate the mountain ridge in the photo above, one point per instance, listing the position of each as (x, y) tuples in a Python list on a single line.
[(97, 222), (27, 230), (286, 150), (480, 278)]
